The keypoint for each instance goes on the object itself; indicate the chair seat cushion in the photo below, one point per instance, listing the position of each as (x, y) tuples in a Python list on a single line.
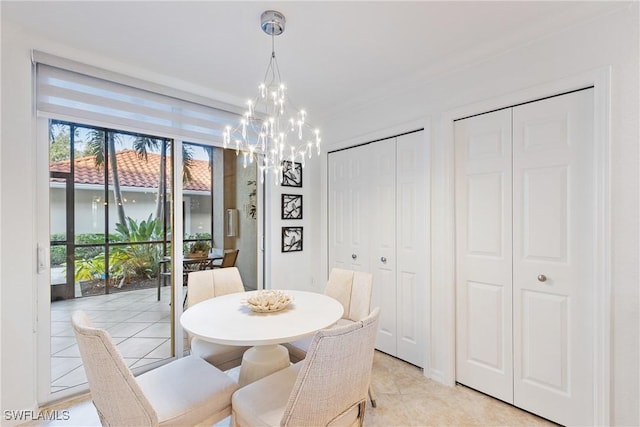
[(262, 403), (187, 391), (224, 357)]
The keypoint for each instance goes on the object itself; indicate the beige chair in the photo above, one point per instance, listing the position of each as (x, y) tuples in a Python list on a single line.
[(353, 290), (329, 387), (201, 286), (184, 392)]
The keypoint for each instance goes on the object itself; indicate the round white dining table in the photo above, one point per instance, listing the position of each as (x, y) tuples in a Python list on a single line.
[(228, 320)]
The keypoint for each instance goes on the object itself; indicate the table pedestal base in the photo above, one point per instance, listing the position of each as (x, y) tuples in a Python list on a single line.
[(262, 360)]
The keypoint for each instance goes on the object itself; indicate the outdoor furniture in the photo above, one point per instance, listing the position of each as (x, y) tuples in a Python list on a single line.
[(229, 259), (184, 392), (188, 265), (329, 387), (208, 284)]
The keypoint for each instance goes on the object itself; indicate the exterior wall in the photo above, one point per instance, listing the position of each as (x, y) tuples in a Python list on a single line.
[(89, 213)]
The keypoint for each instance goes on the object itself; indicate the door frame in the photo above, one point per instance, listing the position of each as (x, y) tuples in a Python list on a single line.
[(443, 264)]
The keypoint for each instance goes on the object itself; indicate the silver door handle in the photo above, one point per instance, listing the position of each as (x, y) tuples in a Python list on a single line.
[(542, 278), (354, 256), (383, 259)]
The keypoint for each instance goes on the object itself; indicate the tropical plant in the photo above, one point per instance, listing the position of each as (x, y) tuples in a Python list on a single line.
[(60, 142), (139, 258), (89, 269)]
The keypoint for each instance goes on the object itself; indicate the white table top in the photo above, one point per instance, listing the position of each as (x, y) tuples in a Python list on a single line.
[(226, 320)]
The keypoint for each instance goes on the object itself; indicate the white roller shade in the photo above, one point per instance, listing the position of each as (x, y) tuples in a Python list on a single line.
[(70, 95)]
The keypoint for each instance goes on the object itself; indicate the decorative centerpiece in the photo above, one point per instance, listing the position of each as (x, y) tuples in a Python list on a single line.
[(268, 301)]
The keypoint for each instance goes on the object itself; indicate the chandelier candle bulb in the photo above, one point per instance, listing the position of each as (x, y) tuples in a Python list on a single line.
[(265, 127)]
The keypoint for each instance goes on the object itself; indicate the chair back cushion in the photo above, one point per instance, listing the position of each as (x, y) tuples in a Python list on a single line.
[(339, 288), (115, 392), (335, 375), (206, 284), (360, 295), (353, 290)]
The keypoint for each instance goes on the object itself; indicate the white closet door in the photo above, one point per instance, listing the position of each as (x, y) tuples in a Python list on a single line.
[(484, 254), (411, 245), (553, 193), (348, 209), (339, 209), (382, 232)]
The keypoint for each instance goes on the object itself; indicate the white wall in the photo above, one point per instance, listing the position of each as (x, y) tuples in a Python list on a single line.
[(295, 270), (612, 40), (17, 195)]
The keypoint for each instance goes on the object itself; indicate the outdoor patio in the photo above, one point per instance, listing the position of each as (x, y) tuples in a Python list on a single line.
[(139, 324)]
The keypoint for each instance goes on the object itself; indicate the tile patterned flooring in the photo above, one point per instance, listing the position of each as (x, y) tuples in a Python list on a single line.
[(404, 396), (139, 324)]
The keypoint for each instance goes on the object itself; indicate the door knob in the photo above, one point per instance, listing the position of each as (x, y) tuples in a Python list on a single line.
[(383, 259), (542, 278), (354, 256)]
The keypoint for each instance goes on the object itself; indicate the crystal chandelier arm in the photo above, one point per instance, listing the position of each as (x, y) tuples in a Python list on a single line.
[(272, 130)]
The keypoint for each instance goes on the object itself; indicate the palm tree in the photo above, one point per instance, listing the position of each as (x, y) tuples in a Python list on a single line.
[(142, 145), (95, 146)]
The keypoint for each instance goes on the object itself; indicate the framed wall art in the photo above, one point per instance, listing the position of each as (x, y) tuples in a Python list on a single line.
[(291, 174), (292, 206), (291, 239)]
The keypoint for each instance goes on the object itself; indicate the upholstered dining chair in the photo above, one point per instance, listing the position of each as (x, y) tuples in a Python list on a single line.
[(184, 392), (353, 290), (206, 284), (329, 387)]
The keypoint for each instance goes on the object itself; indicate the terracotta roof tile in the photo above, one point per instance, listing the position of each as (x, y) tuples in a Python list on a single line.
[(134, 171)]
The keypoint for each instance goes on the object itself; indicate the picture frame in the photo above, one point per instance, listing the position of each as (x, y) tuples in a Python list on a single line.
[(291, 206), (291, 174), (291, 239)]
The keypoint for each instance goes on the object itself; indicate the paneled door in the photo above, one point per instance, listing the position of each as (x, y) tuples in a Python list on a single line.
[(348, 215), (525, 221), (553, 242), (382, 212), (411, 245), (483, 254), (378, 223)]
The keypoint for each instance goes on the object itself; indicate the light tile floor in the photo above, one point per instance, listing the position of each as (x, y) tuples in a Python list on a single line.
[(404, 398), (139, 324)]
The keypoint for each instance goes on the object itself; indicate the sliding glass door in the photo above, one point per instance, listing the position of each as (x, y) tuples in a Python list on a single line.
[(110, 233), (112, 208)]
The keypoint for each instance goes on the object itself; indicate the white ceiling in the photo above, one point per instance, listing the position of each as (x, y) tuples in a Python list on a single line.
[(331, 54)]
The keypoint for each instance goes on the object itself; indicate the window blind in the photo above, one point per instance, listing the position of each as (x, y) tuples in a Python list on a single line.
[(75, 96)]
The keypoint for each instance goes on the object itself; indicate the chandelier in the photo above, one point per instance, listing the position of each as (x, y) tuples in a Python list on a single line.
[(272, 131)]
